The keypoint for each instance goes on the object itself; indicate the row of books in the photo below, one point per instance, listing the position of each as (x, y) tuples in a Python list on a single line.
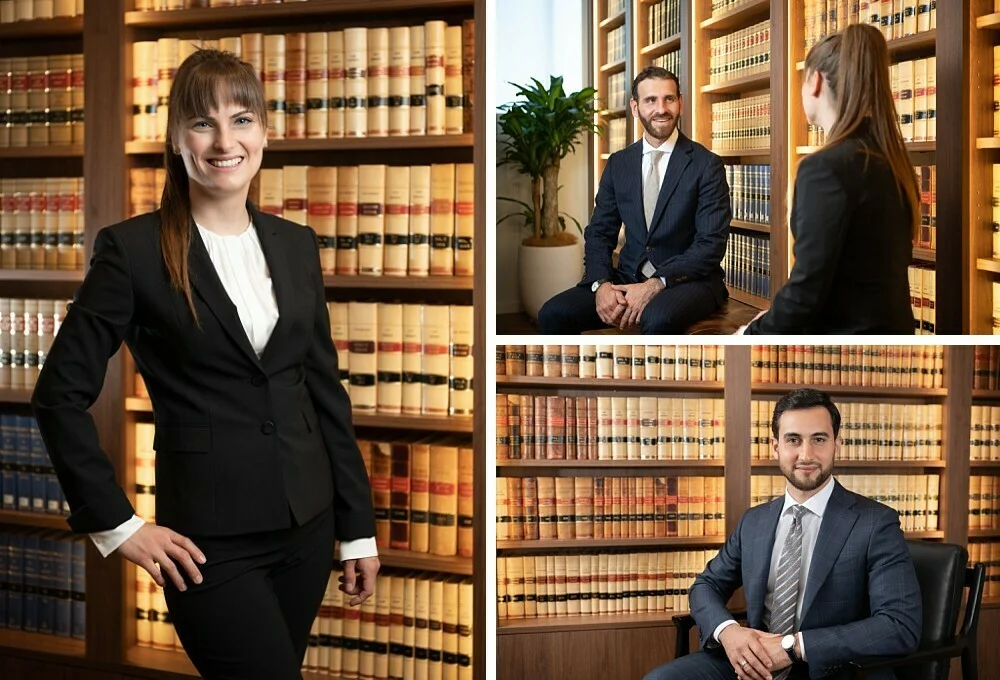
[(616, 7), (995, 198), (354, 82), (41, 100), (617, 134), (747, 263), (923, 298), (544, 586), (41, 223), (43, 582), (28, 481), (372, 220), (618, 91), (153, 624), (535, 427), (988, 553), (927, 183), (996, 101), (164, 5), (895, 18), (616, 44), (914, 366), (984, 439), (870, 432), (565, 508), (742, 124), (986, 367), (27, 329), (723, 6), (742, 53), (619, 362), (29, 10), (664, 19), (670, 61), (750, 192), (984, 502)]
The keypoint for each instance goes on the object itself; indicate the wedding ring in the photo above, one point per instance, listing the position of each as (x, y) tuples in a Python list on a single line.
[(744, 663)]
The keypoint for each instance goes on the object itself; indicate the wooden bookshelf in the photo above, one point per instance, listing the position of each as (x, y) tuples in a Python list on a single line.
[(989, 21), (33, 519), (750, 83), (845, 465), (394, 283), (746, 14), (593, 622), (574, 466), (73, 276), (49, 151), (411, 560), (751, 226), (520, 381), (59, 27), (984, 533), (176, 663), (420, 142), (42, 643), (576, 544), (613, 67), (748, 299), (915, 393), (662, 47), (984, 464), (613, 21)]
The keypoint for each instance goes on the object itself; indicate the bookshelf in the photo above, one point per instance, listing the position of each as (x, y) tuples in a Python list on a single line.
[(105, 35), (629, 645)]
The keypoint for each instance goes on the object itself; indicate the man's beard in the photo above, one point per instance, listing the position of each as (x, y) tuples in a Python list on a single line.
[(804, 483), (666, 128)]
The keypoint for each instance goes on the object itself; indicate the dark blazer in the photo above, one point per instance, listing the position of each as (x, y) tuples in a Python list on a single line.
[(239, 440), (687, 239), (861, 599), (853, 246)]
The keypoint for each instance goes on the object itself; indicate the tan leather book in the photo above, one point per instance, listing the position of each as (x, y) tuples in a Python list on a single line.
[(453, 88), (317, 85), (442, 219), (371, 218), (336, 85), (529, 507), (362, 330), (434, 55), (321, 201), (622, 369), (420, 497), (588, 361), (355, 82), (418, 82), (295, 86), (397, 221), (466, 499), (295, 193), (340, 332), (547, 512), (420, 220), (436, 361), (399, 81), (399, 495), (275, 92), (378, 82), (444, 498)]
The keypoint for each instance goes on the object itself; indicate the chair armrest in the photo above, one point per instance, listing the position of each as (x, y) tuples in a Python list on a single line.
[(864, 667), (684, 623)]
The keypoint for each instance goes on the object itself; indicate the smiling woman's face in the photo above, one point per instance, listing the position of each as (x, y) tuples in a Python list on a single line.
[(222, 150)]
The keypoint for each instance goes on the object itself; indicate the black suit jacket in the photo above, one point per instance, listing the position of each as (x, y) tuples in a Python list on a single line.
[(239, 440), (853, 246), (687, 239)]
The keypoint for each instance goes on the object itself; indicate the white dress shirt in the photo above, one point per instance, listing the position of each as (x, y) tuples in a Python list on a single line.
[(811, 522), (667, 148), (242, 268)]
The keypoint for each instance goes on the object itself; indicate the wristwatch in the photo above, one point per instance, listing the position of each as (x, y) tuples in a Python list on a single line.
[(597, 284), (788, 644)]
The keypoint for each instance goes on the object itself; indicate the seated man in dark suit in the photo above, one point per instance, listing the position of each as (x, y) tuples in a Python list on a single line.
[(826, 573), (672, 196)]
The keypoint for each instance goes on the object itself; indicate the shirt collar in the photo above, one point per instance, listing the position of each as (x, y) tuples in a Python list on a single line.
[(816, 504), (667, 146)]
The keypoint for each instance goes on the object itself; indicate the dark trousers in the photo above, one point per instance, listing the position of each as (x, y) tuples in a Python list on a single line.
[(672, 311), (251, 616), (702, 666)]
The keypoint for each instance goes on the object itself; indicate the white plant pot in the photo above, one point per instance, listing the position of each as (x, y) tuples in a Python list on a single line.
[(544, 272)]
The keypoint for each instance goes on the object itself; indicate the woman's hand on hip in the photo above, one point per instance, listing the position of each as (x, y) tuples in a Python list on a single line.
[(159, 550)]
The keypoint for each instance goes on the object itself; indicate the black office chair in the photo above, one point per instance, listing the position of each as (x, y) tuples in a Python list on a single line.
[(943, 576)]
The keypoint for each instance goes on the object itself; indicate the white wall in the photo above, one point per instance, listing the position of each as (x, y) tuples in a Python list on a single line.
[(536, 39)]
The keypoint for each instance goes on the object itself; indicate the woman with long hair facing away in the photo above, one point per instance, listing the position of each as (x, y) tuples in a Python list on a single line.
[(855, 211), (257, 467)]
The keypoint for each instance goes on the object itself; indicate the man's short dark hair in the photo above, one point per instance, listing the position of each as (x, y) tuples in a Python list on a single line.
[(803, 399), (654, 73)]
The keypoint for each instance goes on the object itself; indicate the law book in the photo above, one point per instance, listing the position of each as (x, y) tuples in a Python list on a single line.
[(435, 629), (144, 54), (348, 192), (339, 331), (461, 368), (337, 101), (60, 98), (295, 85), (363, 336), (419, 261), (412, 365), (418, 81), (468, 73), (275, 56), (444, 498), (295, 193), (321, 211), (420, 480), (398, 93), (396, 624), (931, 98), (434, 58), (436, 359), (389, 357), (351, 636), (569, 359), (378, 82), (466, 499), (464, 218), (337, 638), (453, 86), (442, 219), (356, 82), (396, 224), (371, 218), (366, 637), (548, 518)]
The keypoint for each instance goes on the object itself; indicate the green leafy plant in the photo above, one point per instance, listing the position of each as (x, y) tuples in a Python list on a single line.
[(541, 127)]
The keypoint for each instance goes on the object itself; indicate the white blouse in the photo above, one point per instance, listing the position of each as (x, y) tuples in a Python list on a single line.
[(240, 263)]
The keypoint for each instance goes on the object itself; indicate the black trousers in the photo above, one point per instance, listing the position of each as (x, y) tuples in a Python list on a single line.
[(250, 617), (671, 311)]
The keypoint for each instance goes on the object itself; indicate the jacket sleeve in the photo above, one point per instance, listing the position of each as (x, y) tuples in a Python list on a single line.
[(711, 222), (896, 619), (72, 379), (600, 237), (820, 224), (714, 587), (355, 515)]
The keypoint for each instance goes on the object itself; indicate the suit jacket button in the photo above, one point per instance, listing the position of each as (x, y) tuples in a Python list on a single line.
[(649, 249), (267, 427), (257, 380)]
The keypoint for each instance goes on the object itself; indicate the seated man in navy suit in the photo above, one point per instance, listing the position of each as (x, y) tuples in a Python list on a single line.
[(826, 573), (671, 194)]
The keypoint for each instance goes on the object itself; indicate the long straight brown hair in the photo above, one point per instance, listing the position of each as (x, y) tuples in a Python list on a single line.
[(206, 80), (855, 64)]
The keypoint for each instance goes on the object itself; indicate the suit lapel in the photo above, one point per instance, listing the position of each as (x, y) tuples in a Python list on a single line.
[(279, 266), (838, 522), (633, 171), (761, 553), (680, 158)]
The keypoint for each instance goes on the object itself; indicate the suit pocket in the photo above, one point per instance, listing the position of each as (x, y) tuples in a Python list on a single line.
[(310, 424), (186, 438)]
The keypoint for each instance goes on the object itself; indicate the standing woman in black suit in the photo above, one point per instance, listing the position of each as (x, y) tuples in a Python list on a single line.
[(257, 466), (855, 210)]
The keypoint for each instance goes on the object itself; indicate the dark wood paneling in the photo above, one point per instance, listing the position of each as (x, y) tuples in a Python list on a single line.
[(737, 426), (953, 501), (780, 153)]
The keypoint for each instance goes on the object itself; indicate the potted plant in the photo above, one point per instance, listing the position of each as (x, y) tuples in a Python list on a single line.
[(540, 128)]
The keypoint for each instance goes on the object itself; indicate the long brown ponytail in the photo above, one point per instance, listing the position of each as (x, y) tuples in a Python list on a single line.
[(205, 80), (855, 64)]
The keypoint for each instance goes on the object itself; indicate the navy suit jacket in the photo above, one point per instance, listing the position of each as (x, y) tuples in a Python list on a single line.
[(862, 597), (687, 239)]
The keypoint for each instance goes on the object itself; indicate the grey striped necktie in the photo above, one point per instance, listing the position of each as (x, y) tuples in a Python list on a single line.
[(651, 187), (787, 583)]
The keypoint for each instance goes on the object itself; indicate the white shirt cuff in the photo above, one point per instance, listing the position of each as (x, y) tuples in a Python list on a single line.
[(357, 549), (802, 647), (109, 541), (664, 280), (723, 626)]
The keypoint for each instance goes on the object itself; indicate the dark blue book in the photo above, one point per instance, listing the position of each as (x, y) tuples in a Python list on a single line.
[(15, 573), (63, 584), (24, 462), (46, 579), (32, 552), (8, 460), (39, 467), (4, 578), (78, 622)]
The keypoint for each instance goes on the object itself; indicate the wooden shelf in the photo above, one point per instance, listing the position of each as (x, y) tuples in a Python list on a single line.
[(660, 48), (985, 394), (743, 16), (398, 282), (924, 535), (863, 464), (594, 543), (989, 21), (613, 113), (167, 661), (605, 156), (855, 391), (984, 533), (609, 464), (15, 396), (756, 81), (455, 424), (50, 151), (61, 27), (751, 226), (924, 41), (40, 642), (988, 264), (611, 384), (612, 22), (988, 142), (267, 14), (42, 275), (984, 464), (330, 144), (34, 519), (912, 147), (613, 67), (411, 560), (924, 254), (553, 624), (746, 298), (763, 152)]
